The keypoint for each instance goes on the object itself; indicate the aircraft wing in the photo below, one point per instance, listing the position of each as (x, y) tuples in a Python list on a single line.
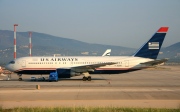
[(155, 62), (90, 67)]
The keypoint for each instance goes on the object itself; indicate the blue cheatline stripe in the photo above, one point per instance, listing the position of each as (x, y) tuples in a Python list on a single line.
[(151, 51)]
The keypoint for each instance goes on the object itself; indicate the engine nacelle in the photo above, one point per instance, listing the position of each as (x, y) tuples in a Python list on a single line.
[(66, 73)]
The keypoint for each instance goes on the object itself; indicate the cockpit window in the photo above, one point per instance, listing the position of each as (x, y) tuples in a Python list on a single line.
[(12, 62)]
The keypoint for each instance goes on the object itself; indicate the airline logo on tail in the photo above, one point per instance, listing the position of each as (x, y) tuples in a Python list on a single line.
[(153, 45)]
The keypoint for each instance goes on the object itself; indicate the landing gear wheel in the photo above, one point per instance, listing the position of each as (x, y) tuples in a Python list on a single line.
[(89, 78), (20, 79), (84, 78)]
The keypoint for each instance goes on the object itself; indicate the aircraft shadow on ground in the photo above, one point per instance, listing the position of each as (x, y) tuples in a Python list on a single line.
[(64, 79)]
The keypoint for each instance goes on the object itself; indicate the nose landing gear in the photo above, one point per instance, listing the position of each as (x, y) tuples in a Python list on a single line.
[(20, 77)]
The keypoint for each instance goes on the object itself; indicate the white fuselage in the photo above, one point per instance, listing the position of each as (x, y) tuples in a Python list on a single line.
[(32, 65)]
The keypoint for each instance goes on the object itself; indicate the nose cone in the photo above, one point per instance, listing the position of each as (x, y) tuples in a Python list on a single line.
[(9, 67)]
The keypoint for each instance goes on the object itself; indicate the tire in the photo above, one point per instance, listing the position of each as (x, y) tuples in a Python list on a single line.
[(84, 78), (89, 78), (20, 79)]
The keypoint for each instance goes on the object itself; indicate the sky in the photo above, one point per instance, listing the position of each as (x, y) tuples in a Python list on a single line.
[(128, 23)]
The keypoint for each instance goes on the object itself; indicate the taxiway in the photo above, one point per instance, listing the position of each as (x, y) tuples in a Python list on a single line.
[(155, 88)]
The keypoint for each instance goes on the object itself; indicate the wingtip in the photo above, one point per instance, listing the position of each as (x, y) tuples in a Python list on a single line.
[(163, 30)]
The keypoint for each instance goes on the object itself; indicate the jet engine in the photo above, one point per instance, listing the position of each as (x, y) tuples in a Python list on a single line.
[(66, 73)]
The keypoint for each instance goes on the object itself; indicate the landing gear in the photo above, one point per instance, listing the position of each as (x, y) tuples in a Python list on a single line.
[(20, 77), (9, 77), (86, 76), (89, 78)]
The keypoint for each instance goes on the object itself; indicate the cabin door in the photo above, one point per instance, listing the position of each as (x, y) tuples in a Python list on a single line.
[(126, 63), (23, 63)]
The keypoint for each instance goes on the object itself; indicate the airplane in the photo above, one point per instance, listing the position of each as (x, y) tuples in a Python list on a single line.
[(69, 66), (107, 52)]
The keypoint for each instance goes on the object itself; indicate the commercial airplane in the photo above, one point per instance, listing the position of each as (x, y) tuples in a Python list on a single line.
[(69, 66)]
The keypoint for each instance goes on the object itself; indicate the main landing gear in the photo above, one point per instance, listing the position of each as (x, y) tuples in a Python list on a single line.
[(86, 76)]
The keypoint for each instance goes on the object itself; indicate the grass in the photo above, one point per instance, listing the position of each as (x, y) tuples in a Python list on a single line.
[(85, 109)]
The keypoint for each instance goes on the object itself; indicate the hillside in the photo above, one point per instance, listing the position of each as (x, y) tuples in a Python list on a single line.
[(172, 52), (47, 45)]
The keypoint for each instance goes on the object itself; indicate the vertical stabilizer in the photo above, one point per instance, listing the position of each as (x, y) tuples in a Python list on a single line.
[(107, 52), (152, 47)]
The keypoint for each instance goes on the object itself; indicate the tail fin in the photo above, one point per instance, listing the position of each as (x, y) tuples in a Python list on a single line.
[(151, 48), (107, 52)]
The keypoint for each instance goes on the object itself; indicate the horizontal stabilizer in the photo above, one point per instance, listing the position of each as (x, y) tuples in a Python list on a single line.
[(155, 62)]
